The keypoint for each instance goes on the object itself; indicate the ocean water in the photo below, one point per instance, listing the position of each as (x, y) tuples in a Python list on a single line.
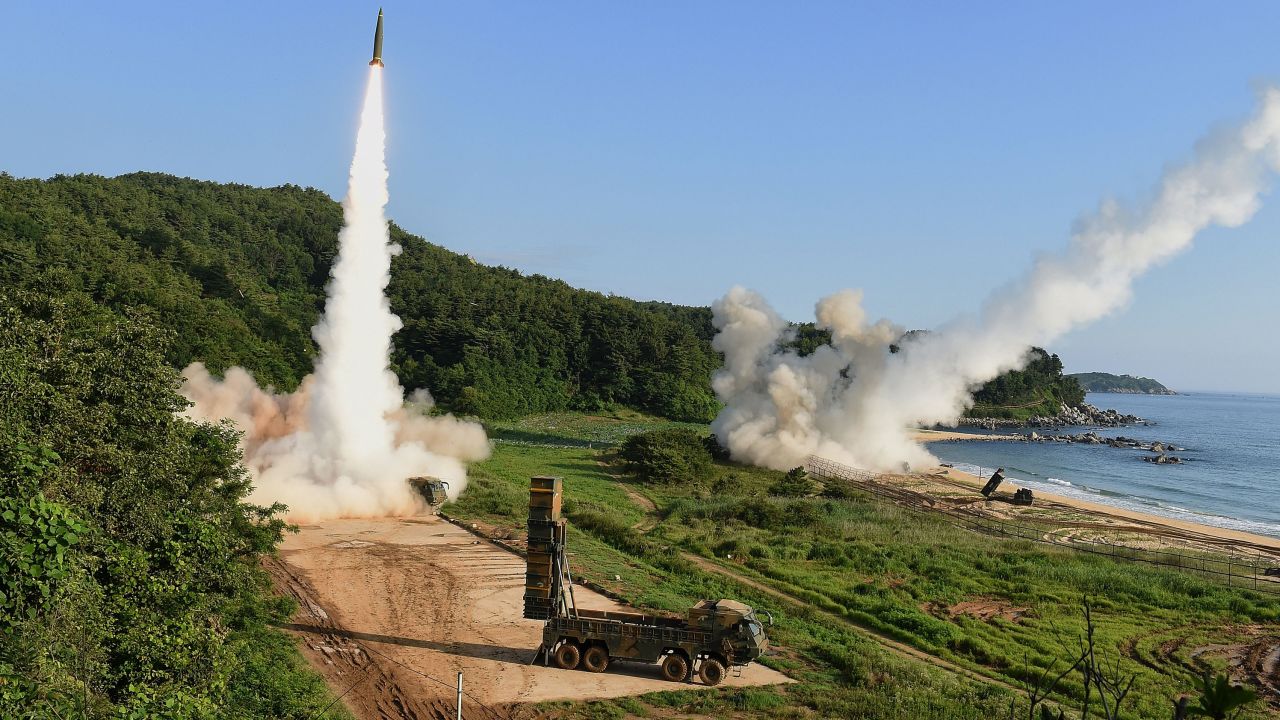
[(1231, 477)]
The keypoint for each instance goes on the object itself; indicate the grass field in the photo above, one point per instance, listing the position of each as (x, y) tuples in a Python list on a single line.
[(847, 578)]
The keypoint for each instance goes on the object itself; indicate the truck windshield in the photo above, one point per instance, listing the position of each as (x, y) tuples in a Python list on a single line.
[(754, 627)]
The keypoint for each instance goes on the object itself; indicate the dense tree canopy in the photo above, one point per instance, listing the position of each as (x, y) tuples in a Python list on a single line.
[(668, 455), (129, 576), (238, 274), (1038, 388)]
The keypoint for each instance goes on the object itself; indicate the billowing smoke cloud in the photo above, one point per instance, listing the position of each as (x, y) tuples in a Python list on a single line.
[(344, 443), (854, 401)]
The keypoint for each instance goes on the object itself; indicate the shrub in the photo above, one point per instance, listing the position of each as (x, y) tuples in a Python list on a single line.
[(795, 483), (668, 455)]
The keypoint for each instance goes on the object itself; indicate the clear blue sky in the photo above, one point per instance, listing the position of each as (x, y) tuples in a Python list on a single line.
[(923, 152)]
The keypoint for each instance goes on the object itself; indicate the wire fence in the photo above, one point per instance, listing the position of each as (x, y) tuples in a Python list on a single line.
[(1232, 564)]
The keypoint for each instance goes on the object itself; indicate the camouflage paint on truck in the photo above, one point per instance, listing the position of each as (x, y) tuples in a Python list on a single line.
[(433, 490), (714, 636), (717, 635)]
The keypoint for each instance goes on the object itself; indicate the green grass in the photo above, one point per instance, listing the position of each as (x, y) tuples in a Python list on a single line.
[(873, 565), (604, 429)]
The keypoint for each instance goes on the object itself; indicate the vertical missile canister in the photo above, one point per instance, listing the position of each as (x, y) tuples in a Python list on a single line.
[(377, 42)]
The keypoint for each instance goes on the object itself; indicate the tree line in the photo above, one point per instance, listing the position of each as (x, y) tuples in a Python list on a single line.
[(237, 275)]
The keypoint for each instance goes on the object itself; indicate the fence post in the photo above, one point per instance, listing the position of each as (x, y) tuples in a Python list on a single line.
[(459, 695), (1230, 569)]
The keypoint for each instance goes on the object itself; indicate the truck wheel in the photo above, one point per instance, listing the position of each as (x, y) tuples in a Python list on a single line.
[(567, 655), (711, 672), (595, 659), (675, 668)]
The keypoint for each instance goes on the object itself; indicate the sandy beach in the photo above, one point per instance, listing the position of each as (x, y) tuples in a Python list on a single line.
[(951, 482), (928, 436)]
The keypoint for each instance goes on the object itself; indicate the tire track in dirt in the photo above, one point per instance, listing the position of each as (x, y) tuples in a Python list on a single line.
[(894, 646), (370, 686), (898, 648), (651, 518), (392, 608)]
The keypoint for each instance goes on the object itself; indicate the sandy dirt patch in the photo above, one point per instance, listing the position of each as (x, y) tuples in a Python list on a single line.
[(1255, 662), (986, 609), (1155, 528), (928, 436), (945, 480), (398, 606)]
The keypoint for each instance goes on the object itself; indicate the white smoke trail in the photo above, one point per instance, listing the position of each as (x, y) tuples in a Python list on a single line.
[(854, 401), (344, 443)]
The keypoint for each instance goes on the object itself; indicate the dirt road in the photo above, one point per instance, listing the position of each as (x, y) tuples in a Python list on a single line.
[(394, 608)]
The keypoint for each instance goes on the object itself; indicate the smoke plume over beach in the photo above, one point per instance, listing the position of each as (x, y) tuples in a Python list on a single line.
[(344, 443), (854, 401)]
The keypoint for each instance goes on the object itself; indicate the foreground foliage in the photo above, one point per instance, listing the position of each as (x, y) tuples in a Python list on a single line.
[(129, 577)]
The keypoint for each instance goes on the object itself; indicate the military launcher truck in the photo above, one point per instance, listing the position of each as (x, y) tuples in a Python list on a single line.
[(434, 490), (713, 637)]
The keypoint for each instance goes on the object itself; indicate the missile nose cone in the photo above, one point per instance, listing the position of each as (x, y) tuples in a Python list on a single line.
[(377, 42)]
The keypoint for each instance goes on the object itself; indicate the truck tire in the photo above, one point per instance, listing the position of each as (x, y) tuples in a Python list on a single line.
[(568, 655), (595, 659), (711, 672), (675, 668)]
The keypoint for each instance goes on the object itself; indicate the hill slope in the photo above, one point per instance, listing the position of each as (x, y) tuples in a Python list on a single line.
[(1106, 382), (1038, 389), (238, 274)]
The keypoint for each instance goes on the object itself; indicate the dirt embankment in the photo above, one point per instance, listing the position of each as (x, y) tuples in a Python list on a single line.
[(391, 609)]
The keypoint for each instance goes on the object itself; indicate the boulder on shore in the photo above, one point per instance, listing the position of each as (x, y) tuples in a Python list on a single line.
[(1084, 415)]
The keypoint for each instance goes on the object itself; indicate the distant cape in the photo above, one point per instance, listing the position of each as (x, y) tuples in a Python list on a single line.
[(1106, 382)]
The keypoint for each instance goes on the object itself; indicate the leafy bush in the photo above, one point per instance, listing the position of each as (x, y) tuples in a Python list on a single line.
[(129, 571), (35, 535), (795, 483), (667, 456)]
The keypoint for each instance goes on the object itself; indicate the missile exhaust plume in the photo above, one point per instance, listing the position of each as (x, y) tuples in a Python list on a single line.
[(854, 401), (345, 442)]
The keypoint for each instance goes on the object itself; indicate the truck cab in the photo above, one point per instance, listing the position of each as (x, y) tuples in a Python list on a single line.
[(434, 490), (737, 631)]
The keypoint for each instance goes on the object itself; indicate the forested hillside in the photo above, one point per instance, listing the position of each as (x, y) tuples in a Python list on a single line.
[(1040, 388), (238, 274), (1106, 382)]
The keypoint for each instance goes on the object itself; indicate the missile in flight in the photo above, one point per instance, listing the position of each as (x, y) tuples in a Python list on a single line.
[(377, 43)]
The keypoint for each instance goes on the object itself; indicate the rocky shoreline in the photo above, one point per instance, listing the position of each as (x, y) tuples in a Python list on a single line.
[(1085, 415), (1160, 450)]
